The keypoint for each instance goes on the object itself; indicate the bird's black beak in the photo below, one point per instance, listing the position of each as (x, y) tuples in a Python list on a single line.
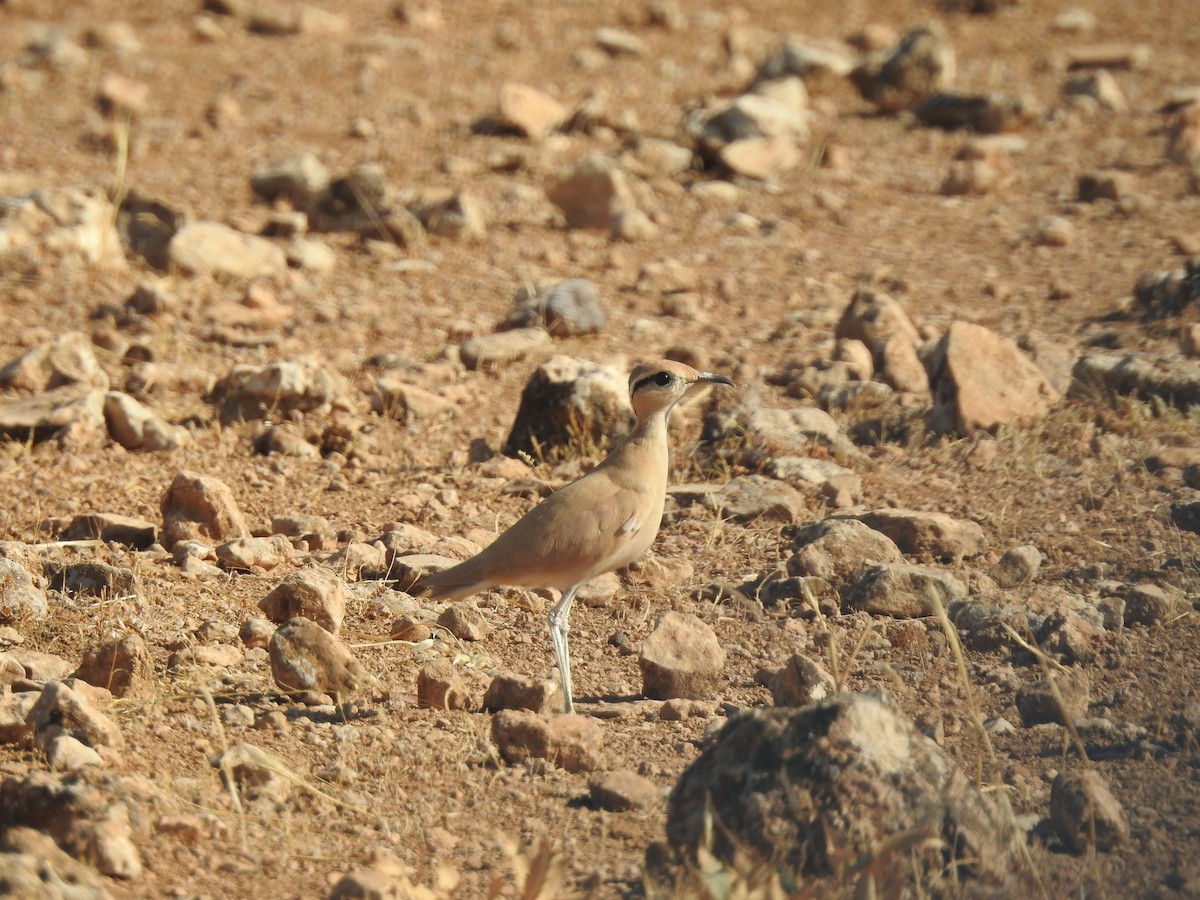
[(714, 379)]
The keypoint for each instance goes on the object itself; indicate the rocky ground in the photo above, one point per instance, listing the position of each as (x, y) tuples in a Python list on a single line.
[(304, 301)]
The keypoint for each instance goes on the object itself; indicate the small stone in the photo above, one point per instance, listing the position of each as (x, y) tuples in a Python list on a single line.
[(1053, 231), (465, 621), (311, 255), (1099, 86), (209, 248), (919, 66), (1085, 813), (90, 578), (299, 178), (127, 530), (65, 710), (571, 742), (247, 553), (530, 111), (120, 97), (200, 507), (680, 658), (254, 774), (284, 440), (306, 657), (680, 709), (840, 551), (406, 628), (1018, 566), (135, 427), (801, 682), (498, 350), (71, 414), (439, 686), (122, 666), (278, 389), (1038, 703), (460, 216), (633, 226), (315, 593), (14, 717), (68, 359), (905, 591), (1147, 604), (937, 534), (563, 394), (1109, 185), (68, 754), (256, 633), (591, 193), (761, 158), (20, 598), (511, 691), (408, 403), (622, 790), (616, 42)]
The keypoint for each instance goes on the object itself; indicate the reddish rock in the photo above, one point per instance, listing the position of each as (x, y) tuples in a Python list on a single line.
[(568, 741), (982, 381), (680, 658)]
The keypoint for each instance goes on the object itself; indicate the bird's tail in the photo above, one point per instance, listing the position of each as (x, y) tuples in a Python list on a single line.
[(453, 583)]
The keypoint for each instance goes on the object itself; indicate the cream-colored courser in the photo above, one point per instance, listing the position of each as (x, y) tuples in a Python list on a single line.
[(598, 523)]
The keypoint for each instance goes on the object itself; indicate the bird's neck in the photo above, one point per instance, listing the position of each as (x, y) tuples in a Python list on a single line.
[(649, 435)]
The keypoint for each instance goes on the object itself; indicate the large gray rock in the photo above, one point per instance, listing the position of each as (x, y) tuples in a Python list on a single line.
[(840, 551), (905, 591), (566, 308), (935, 534), (568, 400), (1102, 374), (306, 657), (789, 785), (751, 498)]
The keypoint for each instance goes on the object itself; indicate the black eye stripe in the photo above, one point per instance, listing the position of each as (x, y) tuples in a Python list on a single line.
[(662, 379)]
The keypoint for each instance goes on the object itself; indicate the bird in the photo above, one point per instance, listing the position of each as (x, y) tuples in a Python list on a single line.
[(600, 522)]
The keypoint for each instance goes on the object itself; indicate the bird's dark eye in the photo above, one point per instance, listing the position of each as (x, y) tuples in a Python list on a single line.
[(662, 379)]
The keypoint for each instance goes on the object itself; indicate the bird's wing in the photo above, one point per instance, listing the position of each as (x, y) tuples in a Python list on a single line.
[(590, 526)]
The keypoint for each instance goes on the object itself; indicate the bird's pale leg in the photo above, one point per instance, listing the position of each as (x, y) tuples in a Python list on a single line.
[(560, 615)]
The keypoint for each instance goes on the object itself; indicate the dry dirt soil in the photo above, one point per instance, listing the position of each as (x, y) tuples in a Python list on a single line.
[(428, 786)]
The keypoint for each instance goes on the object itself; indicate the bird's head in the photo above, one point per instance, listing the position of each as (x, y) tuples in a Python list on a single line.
[(659, 385)]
